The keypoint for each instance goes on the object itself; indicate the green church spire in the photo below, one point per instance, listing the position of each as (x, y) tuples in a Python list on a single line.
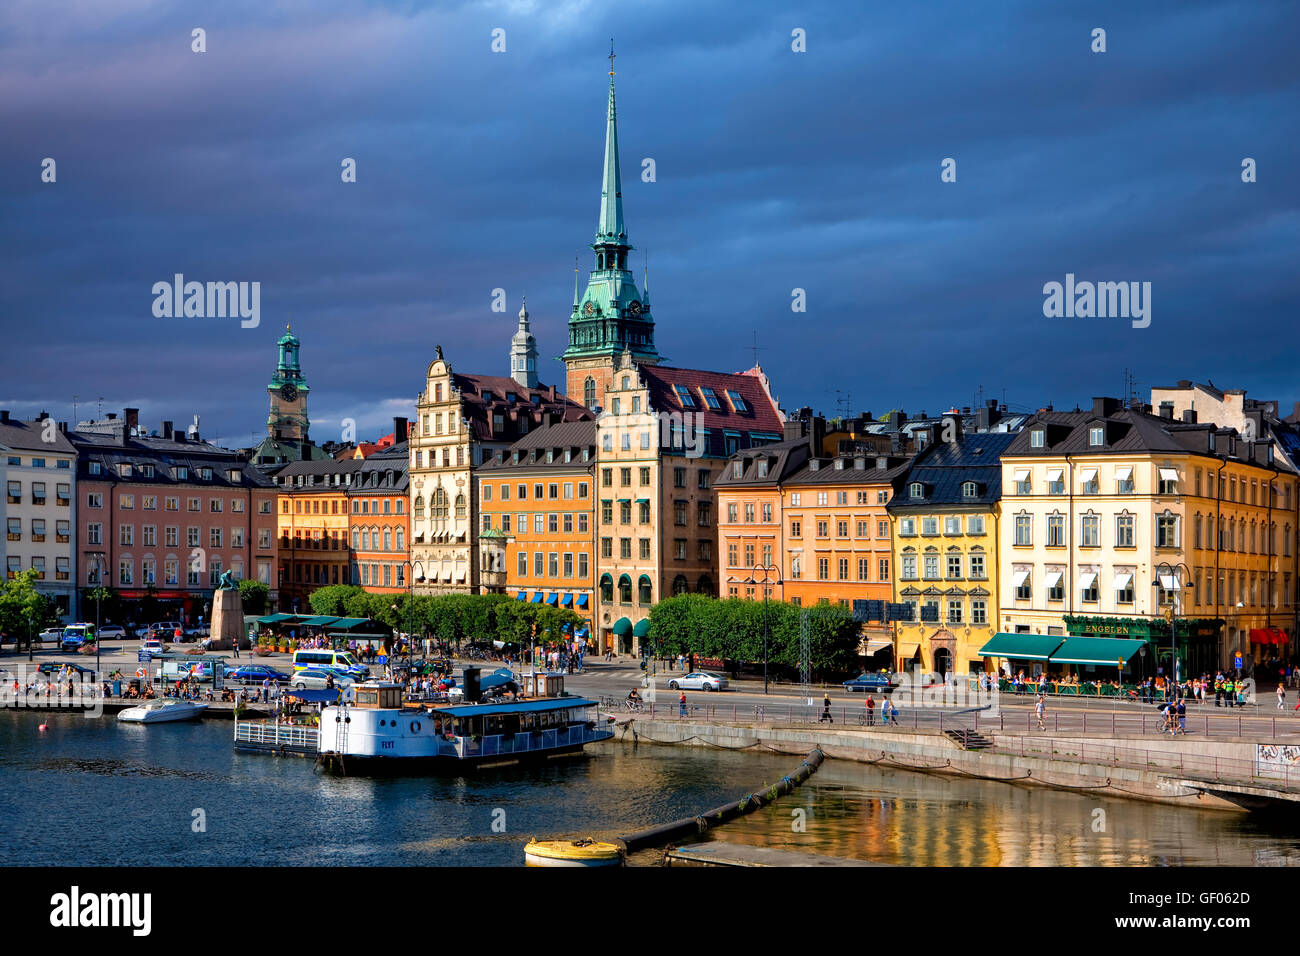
[(610, 317), (611, 188)]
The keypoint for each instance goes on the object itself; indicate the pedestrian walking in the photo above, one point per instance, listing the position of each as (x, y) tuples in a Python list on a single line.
[(1281, 698), (681, 705), (893, 712), (1182, 718), (826, 710), (1040, 708), (871, 711)]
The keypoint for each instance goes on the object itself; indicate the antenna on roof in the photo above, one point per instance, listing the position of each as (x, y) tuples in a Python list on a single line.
[(755, 349)]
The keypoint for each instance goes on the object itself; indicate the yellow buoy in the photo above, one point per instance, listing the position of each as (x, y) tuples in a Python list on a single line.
[(586, 852)]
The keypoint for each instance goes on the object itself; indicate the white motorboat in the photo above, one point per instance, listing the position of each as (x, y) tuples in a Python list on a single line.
[(163, 710)]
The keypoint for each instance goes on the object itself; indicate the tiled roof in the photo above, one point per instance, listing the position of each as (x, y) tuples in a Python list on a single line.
[(483, 395), (1126, 430), (27, 436), (164, 455), (870, 474), (944, 467), (761, 413), (783, 458), (562, 435)]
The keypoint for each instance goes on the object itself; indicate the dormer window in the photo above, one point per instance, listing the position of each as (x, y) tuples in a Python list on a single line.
[(737, 402), (146, 471), (1038, 438), (684, 396), (182, 473), (737, 469), (917, 490), (710, 399), (762, 468), (969, 489), (205, 474), (236, 476), (94, 467), (1096, 436), (124, 469)]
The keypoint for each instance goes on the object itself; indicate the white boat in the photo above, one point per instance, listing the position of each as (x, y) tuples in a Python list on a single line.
[(163, 710)]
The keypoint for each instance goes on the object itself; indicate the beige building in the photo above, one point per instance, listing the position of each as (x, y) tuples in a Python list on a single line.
[(1112, 516)]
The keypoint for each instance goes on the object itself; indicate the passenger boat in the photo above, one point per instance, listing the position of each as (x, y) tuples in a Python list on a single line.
[(163, 710), (378, 732)]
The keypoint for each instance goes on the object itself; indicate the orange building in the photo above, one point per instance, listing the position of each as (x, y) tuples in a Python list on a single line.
[(312, 518), (537, 529), (378, 521), (751, 543)]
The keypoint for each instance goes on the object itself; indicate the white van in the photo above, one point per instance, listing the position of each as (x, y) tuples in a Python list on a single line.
[(324, 657)]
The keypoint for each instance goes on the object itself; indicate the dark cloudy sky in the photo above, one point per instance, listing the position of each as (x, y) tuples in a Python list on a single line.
[(776, 170)]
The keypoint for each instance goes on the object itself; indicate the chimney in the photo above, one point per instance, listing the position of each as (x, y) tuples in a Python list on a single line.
[(4, 416), (1103, 406), (167, 430), (399, 430), (859, 463), (814, 464), (951, 428), (1189, 416), (1184, 383), (132, 420), (816, 433)]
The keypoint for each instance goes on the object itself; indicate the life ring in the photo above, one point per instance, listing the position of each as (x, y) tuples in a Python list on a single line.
[(415, 726), (141, 672)]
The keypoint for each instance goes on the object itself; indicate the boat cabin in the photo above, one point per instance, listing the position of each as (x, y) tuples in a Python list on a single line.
[(373, 696)]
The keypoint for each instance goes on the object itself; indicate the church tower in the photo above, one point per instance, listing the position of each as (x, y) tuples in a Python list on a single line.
[(611, 316), (523, 351), (287, 423)]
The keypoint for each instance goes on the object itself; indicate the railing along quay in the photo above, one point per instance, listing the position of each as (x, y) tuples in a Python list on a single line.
[(1113, 724)]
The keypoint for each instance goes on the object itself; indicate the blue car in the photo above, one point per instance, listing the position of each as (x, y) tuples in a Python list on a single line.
[(255, 674), (879, 683)]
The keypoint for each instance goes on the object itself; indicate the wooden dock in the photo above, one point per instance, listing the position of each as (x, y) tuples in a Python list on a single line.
[(717, 853)]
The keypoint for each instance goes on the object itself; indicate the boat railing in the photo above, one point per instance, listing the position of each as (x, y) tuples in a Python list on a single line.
[(523, 742), (276, 734)]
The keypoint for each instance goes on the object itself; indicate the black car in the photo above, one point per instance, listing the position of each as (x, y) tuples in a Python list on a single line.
[(870, 682), (255, 674)]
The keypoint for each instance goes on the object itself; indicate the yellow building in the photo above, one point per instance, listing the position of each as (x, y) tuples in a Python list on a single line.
[(944, 516)]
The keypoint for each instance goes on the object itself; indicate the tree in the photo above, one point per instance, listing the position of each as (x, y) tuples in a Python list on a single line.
[(331, 600), (254, 595), (24, 611)]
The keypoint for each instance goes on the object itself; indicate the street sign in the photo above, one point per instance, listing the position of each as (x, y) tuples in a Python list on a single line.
[(1236, 661), (143, 657)]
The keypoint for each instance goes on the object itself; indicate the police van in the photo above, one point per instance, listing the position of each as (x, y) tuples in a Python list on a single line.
[(324, 657)]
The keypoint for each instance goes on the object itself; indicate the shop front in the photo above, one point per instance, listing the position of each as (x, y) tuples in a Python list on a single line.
[(1196, 642)]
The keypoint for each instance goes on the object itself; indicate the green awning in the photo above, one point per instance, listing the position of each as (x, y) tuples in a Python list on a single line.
[(274, 618), (1025, 647), (642, 628), (319, 621), (622, 627), (352, 624), (1096, 650)]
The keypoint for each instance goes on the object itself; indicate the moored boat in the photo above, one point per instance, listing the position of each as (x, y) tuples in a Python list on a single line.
[(378, 731), (163, 710)]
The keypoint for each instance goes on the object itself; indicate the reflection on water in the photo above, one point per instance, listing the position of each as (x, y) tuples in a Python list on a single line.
[(96, 792), (893, 816)]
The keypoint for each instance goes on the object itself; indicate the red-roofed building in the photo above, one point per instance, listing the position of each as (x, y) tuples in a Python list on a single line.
[(661, 442), (461, 421)]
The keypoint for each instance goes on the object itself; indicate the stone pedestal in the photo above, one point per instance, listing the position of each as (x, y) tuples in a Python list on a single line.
[(227, 621)]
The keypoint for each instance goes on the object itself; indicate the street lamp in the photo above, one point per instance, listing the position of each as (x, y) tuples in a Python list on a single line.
[(767, 584), (99, 591), (1166, 570), (410, 603)]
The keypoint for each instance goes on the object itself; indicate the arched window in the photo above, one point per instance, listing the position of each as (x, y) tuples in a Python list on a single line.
[(589, 392), (419, 506), (607, 589), (625, 590), (679, 585), (388, 539), (365, 540), (460, 506), (705, 586), (968, 490), (356, 539), (916, 490), (439, 505), (644, 595), (401, 539)]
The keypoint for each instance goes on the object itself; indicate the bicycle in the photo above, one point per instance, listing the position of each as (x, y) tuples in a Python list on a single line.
[(633, 706)]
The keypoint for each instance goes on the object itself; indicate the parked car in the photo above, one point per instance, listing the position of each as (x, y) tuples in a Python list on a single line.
[(75, 635), (316, 678), (112, 632), (700, 680), (164, 630), (255, 674), (51, 635), (873, 683)]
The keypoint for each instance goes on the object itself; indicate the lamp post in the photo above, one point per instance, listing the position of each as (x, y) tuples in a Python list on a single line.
[(1166, 570), (410, 601), (767, 583), (99, 592)]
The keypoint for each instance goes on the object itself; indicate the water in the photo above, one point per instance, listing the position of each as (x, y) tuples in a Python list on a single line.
[(92, 792)]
